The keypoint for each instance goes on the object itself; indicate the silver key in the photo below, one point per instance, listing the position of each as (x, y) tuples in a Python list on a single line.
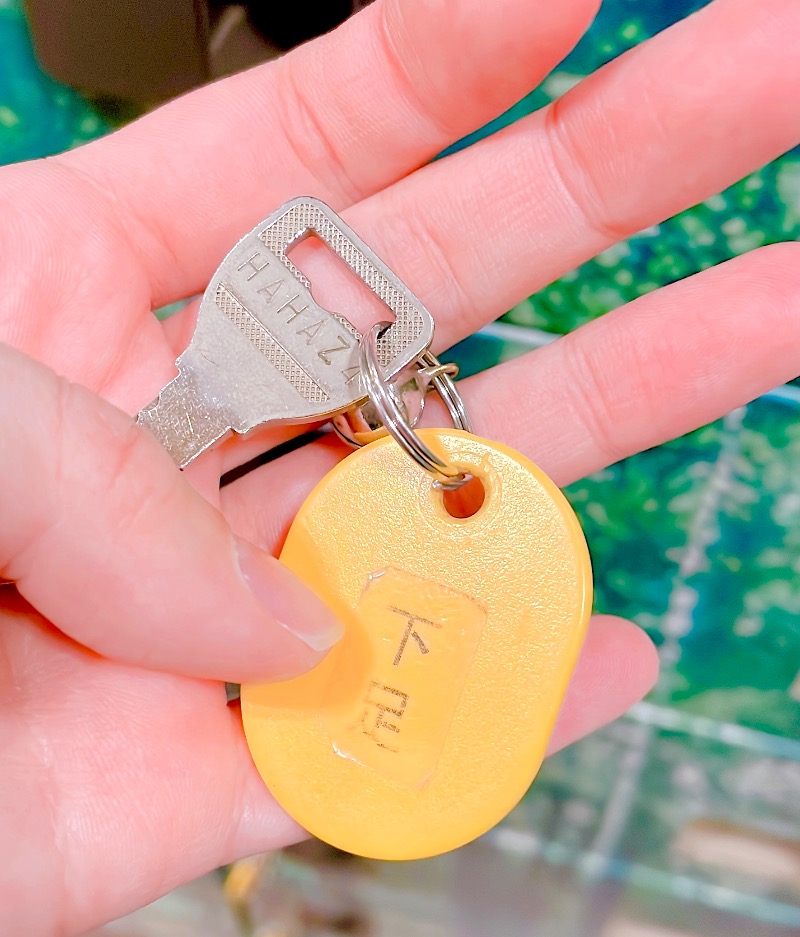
[(265, 351)]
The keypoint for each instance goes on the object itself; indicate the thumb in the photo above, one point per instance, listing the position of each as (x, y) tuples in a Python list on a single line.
[(109, 541)]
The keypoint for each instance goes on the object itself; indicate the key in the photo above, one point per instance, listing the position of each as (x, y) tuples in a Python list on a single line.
[(264, 351)]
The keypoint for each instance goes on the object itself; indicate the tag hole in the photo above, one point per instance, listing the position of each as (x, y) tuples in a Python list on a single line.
[(465, 501)]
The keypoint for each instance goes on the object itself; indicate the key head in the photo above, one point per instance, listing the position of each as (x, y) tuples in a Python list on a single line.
[(266, 351)]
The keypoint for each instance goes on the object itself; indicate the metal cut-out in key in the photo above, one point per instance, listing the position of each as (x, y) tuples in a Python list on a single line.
[(265, 351)]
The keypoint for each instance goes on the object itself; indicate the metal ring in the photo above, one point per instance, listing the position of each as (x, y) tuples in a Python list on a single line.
[(362, 425), (385, 401)]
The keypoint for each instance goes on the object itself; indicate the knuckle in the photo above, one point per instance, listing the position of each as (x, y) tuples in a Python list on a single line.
[(594, 400), (407, 71), (130, 481), (427, 262), (38, 478), (584, 177), (308, 135)]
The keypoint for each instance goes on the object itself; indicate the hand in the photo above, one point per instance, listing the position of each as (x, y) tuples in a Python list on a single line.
[(124, 773)]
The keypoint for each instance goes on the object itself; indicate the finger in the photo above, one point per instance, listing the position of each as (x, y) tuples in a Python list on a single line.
[(653, 133), (652, 370), (177, 788), (475, 233), (657, 368), (104, 536), (338, 118), (143, 770), (617, 667)]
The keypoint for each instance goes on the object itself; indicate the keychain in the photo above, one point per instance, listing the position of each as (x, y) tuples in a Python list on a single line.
[(428, 722), (461, 573)]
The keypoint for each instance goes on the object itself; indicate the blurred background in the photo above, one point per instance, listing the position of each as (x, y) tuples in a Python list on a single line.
[(683, 818)]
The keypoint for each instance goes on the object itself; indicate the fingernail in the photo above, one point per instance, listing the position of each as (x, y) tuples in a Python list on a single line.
[(293, 605)]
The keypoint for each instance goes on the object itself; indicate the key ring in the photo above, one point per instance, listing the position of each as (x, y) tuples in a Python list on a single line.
[(363, 425), (385, 400)]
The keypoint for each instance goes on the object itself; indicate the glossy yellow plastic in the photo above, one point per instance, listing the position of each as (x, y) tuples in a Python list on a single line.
[(427, 723)]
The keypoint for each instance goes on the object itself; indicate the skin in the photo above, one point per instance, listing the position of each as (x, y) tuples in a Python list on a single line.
[(124, 772)]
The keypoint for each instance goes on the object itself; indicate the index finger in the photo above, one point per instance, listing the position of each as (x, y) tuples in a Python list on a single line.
[(339, 118)]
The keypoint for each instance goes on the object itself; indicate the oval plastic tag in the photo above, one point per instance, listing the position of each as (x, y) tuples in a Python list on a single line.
[(427, 723)]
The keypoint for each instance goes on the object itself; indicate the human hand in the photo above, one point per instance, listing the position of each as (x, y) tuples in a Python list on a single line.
[(119, 751)]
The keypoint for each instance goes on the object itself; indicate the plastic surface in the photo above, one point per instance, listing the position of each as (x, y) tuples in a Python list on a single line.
[(426, 725)]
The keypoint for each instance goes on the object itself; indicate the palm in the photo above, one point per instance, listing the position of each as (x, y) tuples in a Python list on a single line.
[(144, 770), (79, 294), (93, 746)]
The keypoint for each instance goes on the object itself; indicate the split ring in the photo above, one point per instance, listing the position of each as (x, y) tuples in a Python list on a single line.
[(386, 402)]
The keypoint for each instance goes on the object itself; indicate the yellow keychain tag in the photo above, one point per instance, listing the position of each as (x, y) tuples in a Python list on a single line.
[(429, 720)]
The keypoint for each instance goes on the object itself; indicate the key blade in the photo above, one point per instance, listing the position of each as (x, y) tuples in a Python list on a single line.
[(183, 419)]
